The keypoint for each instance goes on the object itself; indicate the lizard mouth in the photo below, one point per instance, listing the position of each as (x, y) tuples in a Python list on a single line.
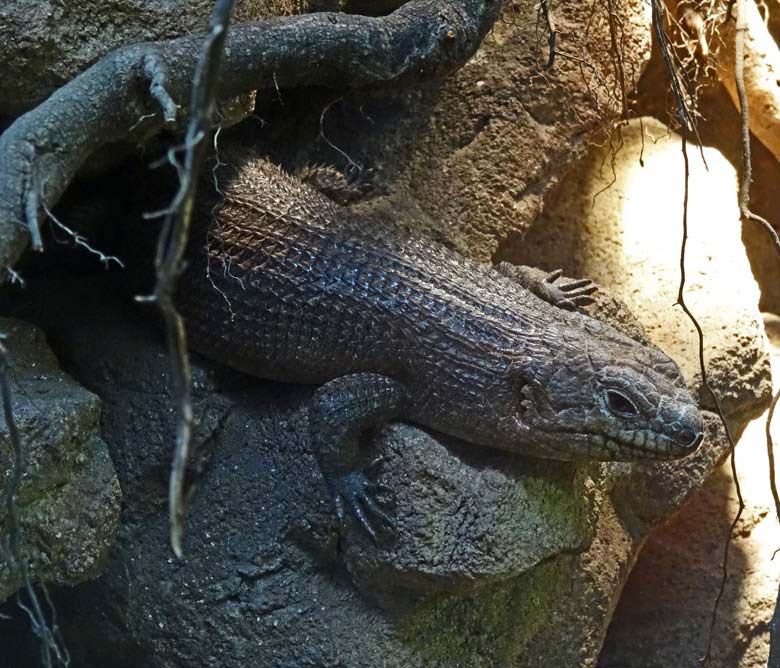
[(645, 446), (626, 446), (669, 440)]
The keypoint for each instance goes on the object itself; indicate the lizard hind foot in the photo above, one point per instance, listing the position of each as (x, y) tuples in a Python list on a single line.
[(341, 187), (356, 493)]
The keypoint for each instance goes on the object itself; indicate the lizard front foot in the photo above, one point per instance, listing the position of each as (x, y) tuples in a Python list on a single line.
[(355, 492), (570, 294)]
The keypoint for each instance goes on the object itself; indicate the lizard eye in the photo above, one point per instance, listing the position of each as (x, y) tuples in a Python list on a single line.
[(620, 404)]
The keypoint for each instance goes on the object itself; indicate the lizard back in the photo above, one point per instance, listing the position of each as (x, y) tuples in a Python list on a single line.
[(283, 283)]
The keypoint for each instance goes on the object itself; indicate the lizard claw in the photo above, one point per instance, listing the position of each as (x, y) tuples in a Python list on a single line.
[(354, 491), (569, 295)]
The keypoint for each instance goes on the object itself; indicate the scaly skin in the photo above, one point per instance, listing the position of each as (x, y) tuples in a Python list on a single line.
[(286, 285)]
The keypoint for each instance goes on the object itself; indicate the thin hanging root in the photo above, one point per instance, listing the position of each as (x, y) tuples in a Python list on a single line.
[(552, 33), (53, 652), (774, 636), (748, 216), (759, 67), (685, 120), (78, 240)]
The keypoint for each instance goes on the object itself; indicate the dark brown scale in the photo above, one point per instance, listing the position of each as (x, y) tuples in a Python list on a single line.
[(365, 302)]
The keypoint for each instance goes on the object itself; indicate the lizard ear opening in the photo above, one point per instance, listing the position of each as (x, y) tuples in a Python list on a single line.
[(527, 406)]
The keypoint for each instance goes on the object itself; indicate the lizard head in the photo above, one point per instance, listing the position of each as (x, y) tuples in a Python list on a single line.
[(604, 396)]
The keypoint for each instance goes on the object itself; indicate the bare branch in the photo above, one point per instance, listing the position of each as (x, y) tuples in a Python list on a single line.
[(155, 70)]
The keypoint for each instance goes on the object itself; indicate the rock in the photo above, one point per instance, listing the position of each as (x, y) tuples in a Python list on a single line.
[(622, 228), (69, 498), (263, 572), (627, 237), (470, 160), (466, 519), (672, 590), (498, 561)]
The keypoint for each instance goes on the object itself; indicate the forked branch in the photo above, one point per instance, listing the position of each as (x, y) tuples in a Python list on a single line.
[(135, 91)]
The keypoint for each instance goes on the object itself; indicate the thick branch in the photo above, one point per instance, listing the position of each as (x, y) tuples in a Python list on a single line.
[(130, 92)]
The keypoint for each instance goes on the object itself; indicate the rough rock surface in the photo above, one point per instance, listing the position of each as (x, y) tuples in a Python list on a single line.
[(619, 222), (46, 43), (666, 608), (68, 501), (470, 160), (263, 570), (720, 128), (626, 237)]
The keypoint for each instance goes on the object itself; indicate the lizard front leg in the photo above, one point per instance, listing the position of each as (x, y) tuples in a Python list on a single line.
[(340, 412), (568, 294)]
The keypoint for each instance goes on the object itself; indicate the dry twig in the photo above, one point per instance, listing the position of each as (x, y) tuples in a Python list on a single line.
[(171, 244)]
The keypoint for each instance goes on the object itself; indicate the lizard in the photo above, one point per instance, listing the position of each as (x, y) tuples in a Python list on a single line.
[(285, 284)]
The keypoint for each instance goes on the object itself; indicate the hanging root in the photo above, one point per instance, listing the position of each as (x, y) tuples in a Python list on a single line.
[(753, 75), (745, 40), (552, 33), (768, 100), (687, 122)]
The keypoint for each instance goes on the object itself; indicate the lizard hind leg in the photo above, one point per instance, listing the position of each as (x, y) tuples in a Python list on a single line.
[(341, 411)]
